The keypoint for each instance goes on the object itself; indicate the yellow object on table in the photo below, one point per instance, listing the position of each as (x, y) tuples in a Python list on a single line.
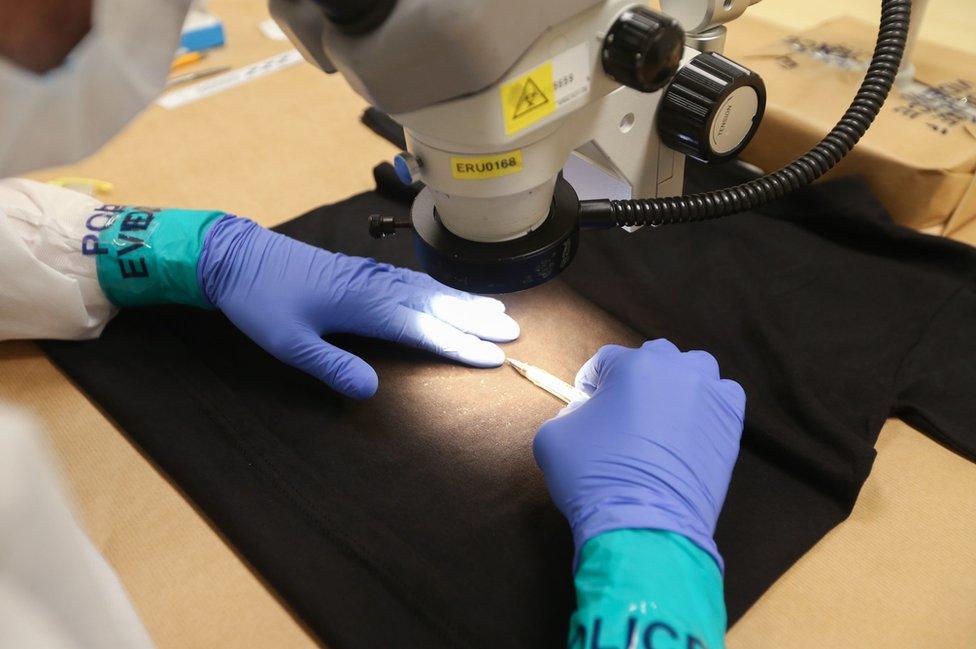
[(186, 59), (91, 186), (900, 572)]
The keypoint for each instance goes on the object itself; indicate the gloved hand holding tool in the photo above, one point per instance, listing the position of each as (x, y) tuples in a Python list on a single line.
[(641, 470)]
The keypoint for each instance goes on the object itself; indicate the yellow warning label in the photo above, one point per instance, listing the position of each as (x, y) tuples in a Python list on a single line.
[(529, 98), (484, 167)]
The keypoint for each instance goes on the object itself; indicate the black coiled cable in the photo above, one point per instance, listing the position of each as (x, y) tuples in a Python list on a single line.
[(892, 36)]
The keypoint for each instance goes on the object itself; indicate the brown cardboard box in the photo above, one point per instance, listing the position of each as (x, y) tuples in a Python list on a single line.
[(920, 155)]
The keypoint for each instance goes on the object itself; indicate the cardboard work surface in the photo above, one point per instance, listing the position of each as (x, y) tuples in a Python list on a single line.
[(900, 572)]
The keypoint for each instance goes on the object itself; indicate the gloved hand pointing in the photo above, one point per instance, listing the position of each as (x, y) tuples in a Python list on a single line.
[(653, 448), (285, 295)]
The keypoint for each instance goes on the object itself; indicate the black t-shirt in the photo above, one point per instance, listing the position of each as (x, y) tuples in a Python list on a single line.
[(419, 519)]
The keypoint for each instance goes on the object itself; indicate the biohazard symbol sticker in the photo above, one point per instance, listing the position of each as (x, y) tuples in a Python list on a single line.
[(528, 99), (532, 98)]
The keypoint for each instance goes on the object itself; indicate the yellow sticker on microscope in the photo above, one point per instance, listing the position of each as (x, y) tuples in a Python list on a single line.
[(528, 98), (485, 167)]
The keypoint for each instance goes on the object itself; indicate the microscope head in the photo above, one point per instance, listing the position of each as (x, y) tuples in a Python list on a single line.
[(494, 97)]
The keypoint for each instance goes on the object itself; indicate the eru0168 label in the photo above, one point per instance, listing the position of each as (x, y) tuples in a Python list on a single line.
[(485, 167)]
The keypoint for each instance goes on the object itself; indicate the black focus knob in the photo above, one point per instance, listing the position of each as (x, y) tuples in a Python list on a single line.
[(643, 49), (381, 226), (712, 108)]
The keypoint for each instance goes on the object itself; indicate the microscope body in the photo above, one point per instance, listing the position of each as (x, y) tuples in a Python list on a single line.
[(495, 96), (492, 159)]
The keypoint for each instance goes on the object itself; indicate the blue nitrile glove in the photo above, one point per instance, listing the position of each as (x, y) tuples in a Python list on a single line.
[(285, 295), (653, 448)]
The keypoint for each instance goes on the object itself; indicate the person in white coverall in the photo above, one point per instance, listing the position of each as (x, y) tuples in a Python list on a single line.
[(72, 73)]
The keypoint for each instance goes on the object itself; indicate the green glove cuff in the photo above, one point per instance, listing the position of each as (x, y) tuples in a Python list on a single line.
[(151, 256), (647, 588)]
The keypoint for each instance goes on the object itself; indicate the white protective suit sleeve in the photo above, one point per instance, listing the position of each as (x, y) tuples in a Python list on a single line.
[(56, 590), (48, 286)]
